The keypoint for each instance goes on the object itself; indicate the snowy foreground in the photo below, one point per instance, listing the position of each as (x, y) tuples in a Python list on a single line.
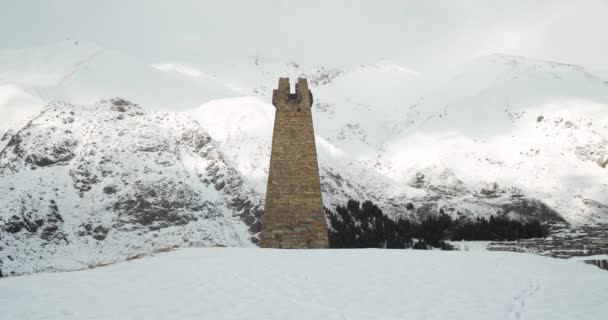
[(231, 283)]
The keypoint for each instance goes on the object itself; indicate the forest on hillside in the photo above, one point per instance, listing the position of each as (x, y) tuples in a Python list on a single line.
[(364, 225)]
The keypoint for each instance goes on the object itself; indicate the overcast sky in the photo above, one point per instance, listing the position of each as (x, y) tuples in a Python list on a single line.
[(419, 34)]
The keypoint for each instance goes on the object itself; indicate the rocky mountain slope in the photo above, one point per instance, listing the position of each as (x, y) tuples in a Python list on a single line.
[(110, 180)]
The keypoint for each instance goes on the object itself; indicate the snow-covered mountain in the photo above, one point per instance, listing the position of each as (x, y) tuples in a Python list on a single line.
[(83, 72), (110, 180), (509, 126), (82, 180), (505, 135)]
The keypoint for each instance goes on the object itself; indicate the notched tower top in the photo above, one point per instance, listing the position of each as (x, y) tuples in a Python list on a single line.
[(283, 97)]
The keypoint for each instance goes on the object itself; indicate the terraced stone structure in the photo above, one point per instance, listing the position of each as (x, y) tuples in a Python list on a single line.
[(294, 216)]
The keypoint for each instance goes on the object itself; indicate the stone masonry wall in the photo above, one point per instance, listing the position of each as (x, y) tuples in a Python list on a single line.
[(294, 216)]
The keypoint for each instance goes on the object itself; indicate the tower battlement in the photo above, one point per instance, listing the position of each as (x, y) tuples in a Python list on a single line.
[(283, 96), (294, 216)]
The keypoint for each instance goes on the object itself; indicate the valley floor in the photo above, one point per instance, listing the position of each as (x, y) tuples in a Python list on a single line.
[(236, 283)]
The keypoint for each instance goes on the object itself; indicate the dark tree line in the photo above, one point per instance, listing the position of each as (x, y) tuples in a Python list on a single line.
[(498, 228), (363, 225)]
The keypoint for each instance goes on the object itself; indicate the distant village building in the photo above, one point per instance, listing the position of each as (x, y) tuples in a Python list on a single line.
[(564, 242), (294, 216)]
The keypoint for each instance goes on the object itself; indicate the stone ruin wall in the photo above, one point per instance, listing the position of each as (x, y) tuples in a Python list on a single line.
[(565, 243)]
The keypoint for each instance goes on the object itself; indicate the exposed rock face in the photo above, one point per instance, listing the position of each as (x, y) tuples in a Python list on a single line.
[(98, 183), (294, 215)]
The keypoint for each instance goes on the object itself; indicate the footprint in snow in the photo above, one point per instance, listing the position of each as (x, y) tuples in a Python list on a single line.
[(518, 305)]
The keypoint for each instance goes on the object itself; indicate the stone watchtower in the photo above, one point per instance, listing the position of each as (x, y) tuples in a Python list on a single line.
[(294, 216)]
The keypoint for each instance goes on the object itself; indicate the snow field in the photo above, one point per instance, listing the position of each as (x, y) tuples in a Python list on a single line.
[(237, 283)]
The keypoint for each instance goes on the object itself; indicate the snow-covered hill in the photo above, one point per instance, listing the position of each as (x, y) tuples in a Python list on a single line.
[(236, 283)]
